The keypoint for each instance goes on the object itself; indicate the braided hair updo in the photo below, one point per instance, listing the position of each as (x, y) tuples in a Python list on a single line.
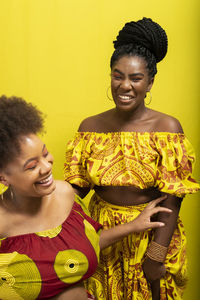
[(143, 38)]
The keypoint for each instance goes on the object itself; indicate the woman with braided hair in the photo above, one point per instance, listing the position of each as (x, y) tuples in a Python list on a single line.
[(130, 155)]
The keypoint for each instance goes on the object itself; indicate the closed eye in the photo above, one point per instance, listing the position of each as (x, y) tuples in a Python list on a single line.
[(117, 77), (136, 79), (31, 166), (45, 154)]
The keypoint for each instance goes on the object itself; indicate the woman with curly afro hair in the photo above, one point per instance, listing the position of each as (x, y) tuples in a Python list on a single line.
[(48, 242)]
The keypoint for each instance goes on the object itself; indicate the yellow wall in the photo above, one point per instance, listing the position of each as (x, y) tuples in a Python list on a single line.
[(56, 53)]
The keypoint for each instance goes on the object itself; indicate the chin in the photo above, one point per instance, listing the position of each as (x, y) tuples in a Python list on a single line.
[(41, 192), (126, 108), (51, 188)]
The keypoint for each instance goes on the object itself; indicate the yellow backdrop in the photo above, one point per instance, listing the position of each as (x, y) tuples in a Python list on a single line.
[(55, 53)]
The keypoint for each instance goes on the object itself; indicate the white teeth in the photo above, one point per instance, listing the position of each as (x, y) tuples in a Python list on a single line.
[(46, 180), (125, 97)]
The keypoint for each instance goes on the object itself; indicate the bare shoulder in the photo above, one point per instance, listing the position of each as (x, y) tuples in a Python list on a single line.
[(96, 122), (64, 190), (166, 123)]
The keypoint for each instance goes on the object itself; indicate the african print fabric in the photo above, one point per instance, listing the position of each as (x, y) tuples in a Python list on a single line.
[(142, 159), (119, 275), (43, 264)]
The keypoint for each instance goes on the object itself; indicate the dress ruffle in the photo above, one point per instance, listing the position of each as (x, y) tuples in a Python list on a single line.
[(142, 159)]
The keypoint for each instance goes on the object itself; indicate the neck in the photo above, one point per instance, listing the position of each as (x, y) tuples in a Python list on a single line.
[(17, 203), (132, 115)]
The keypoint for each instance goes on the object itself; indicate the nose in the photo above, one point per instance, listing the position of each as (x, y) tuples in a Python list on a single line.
[(126, 84), (46, 165)]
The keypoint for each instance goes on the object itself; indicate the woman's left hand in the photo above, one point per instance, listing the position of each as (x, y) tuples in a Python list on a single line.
[(153, 270)]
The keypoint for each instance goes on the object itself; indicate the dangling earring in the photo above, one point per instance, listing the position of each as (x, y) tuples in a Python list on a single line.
[(11, 194), (107, 94), (150, 98), (2, 199)]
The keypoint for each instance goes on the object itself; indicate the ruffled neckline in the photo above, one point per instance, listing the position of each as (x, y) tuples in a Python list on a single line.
[(132, 132)]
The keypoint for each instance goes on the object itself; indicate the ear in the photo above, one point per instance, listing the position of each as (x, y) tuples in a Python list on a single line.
[(3, 180), (151, 81)]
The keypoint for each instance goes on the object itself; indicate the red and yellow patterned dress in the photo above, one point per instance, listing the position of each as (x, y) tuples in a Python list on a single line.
[(43, 264), (161, 160)]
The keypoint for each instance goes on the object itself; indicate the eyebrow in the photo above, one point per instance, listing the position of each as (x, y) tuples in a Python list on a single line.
[(133, 74), (32, 158)]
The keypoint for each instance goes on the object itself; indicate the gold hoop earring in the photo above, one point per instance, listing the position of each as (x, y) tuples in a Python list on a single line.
[(150, 98), (107, 94)]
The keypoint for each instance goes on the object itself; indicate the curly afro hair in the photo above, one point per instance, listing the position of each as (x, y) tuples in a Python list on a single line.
[(17, 119), (144, 38)]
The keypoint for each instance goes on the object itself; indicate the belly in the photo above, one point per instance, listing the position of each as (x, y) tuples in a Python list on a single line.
[(126, 195)]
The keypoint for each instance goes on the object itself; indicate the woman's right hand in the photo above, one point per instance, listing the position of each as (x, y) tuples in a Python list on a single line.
[(143, 220), (141, 223)]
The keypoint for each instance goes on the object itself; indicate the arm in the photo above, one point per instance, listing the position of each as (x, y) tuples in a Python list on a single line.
[(163, 235), (141, 223), (80, 191), (153, 269), (74, 156), (83, 127)]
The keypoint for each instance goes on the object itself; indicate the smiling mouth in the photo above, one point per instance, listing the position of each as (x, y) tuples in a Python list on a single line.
[(47, 181), (125, 98)]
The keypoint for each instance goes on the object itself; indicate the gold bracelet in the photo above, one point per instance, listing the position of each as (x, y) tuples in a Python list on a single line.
[(157, 252)]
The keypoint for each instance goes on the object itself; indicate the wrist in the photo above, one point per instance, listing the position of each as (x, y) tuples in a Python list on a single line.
[(156, 252), (153, 262), (129, 227)]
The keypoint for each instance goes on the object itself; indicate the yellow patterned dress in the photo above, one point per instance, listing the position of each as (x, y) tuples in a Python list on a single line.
[(161, 160)]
